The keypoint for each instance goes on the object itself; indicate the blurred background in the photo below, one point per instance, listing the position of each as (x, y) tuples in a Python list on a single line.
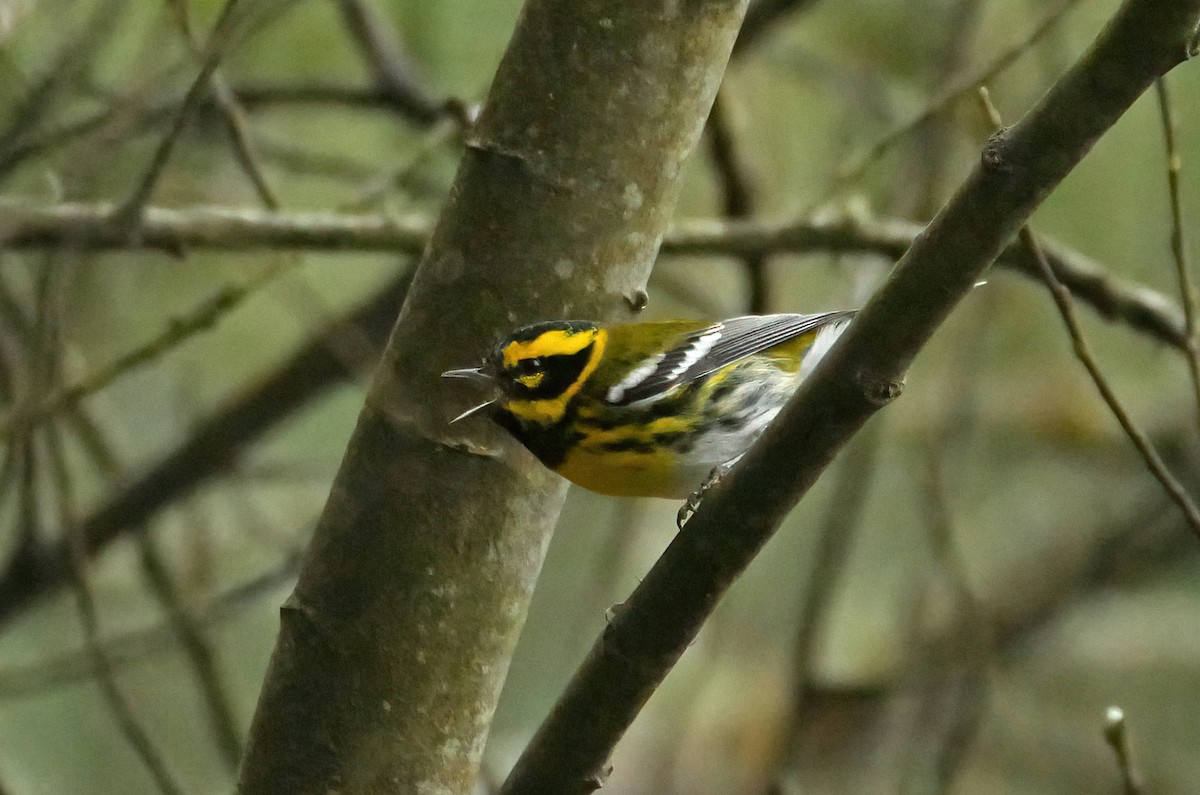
[(977, 580)]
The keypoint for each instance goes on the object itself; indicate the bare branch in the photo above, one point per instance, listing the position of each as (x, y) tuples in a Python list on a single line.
[(130, 725), (392, 577), (1083, 352), (197, 649), (1154, 462), (1187, 290), (67, 68), (79, 665), (89, 227)]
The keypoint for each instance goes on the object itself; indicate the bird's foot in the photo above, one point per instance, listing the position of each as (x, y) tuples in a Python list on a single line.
[(693, 502)]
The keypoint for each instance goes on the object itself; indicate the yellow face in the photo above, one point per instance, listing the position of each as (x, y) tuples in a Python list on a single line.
[(541, 367)]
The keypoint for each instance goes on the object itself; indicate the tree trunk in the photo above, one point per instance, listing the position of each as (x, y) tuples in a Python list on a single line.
[(395, 643)]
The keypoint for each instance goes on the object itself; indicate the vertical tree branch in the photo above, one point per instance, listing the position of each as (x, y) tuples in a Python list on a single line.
[(395, 642)]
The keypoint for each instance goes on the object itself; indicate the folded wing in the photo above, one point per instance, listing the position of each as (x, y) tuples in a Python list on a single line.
[(708, 349)]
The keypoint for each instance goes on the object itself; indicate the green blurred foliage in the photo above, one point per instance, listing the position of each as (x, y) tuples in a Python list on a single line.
[(998, 423)]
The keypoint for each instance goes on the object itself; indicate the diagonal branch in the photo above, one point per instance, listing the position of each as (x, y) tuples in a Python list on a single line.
[(863, 373), (1083, 352)]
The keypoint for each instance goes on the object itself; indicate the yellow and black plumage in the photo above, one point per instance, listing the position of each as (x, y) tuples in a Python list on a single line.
[(649, 409)]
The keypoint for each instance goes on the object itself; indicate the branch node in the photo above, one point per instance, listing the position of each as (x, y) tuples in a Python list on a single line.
[(637, 300), (599, 778), (880, 391), (464, 445), (994, 157), (463, 112)]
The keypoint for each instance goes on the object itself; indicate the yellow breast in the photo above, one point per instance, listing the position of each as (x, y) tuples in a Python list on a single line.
[(625, 474)]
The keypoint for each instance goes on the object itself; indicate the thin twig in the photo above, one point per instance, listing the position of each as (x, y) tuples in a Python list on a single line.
[(1116, 734), (921, 190), (295, 158), (402, 175), (315, 92), (391, 69), (1083, 352), (65, 70), (957, 89), (138, 114), (178, 331), (733, 176), (130, 213), (196, 647), (1187, 290), (131, 727), (44, 140), (231, 112)]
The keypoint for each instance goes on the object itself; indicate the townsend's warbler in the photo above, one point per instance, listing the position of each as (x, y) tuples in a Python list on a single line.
[(648, 409)]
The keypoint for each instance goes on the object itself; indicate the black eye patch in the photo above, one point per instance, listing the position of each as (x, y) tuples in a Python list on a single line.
[(559, 373), (529, 366)]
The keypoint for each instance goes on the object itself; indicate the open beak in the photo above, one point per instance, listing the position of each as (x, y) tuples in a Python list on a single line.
[(471, 373), (471, 411), (477, 374)]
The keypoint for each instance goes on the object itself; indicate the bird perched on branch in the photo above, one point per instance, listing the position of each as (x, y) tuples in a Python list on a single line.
[(648, 409)]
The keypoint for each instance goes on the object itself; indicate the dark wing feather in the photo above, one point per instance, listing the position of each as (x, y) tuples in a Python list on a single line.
[(707, 350)]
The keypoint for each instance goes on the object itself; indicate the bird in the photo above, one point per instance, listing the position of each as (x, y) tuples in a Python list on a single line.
[(651, 408)]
